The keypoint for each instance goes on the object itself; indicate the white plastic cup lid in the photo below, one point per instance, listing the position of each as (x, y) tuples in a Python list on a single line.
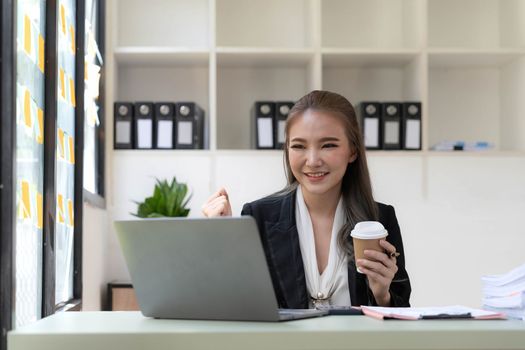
[(369, 230)]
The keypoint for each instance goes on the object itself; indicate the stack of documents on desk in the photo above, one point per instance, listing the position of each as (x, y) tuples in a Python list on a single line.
[(430, 313), (506, 293)]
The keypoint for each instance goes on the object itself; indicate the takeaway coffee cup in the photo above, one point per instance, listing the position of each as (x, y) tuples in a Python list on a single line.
[(366, 236)]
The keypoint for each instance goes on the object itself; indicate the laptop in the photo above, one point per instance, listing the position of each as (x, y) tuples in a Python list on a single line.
[(201, 268)]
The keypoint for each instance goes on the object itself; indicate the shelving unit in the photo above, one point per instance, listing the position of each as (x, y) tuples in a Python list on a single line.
[(463, 59), (476, 71), (225, 54)]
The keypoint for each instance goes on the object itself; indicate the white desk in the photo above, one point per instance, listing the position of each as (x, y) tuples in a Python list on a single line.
[(130, 331)]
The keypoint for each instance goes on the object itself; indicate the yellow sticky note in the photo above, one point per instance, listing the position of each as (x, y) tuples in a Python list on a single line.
[(60, 209), (27, 109), (72, 33), (27, 34), (72, 92), (85, 70), (71, 150), (63, 18), (41, 53), (40, 136), (70, 212), (62, 83), (39, 211), (61, 144), (25, 205)]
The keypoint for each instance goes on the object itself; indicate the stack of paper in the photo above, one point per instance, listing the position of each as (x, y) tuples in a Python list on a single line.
[(430, 313), (506, 293)]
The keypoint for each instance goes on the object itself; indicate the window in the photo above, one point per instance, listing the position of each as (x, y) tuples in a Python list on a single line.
[(65, 151), (29, 159), (93, 104), (41, 136), (7, 125)]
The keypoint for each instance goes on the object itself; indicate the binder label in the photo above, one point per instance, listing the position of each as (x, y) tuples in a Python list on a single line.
[(123, 132), (165, 134), (412, 134), (280, 131), (392, 132), (145, 130), (184, 133), (265, 132), (371, 128)]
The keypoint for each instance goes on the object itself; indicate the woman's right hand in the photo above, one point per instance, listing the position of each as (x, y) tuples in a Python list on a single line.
[(217, 205)]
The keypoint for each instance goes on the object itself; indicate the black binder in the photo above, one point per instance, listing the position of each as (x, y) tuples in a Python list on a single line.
[(391, 125), (123, 125), (164, 125), (411, 126), (370, 118), (189, 123), (263, 117), (144, 126), (281, 113)]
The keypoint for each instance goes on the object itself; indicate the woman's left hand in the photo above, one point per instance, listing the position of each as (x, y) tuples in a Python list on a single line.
[(380, 269)]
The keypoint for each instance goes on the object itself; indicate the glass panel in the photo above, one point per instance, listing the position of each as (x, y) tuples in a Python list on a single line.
[(30, 34), (65, 151), (93, 63)]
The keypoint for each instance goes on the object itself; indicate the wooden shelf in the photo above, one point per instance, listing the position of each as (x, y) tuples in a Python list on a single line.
[(367, 58), (176, 56), (488, 154), (263, 57), (227, 54), (279, 153), (452, 57)]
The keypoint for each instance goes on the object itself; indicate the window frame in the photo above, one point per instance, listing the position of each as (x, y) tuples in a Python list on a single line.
[(98, 200), (8, 71), (76, 302), (7, 171), (49, 305), (50, 120)]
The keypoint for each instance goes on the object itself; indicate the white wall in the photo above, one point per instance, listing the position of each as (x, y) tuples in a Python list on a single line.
[(460, 220), (95, 259), (460, 216)]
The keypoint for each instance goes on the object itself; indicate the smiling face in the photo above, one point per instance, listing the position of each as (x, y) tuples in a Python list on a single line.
[(319, 152)]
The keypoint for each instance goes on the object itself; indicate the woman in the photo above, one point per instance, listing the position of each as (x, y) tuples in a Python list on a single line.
[(305, 229)]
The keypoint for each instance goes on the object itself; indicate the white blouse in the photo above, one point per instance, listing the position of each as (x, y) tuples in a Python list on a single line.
[(330, 287)]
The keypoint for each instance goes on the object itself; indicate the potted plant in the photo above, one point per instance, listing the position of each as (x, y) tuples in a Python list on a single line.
[(167, 200)]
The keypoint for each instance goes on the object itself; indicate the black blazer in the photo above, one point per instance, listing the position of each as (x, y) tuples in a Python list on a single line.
[(275, 217)]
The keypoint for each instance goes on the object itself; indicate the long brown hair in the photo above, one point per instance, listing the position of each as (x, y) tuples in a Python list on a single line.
[(356, 188)]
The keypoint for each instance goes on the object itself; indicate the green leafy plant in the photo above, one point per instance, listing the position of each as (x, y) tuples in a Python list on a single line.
[(167, 200)]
